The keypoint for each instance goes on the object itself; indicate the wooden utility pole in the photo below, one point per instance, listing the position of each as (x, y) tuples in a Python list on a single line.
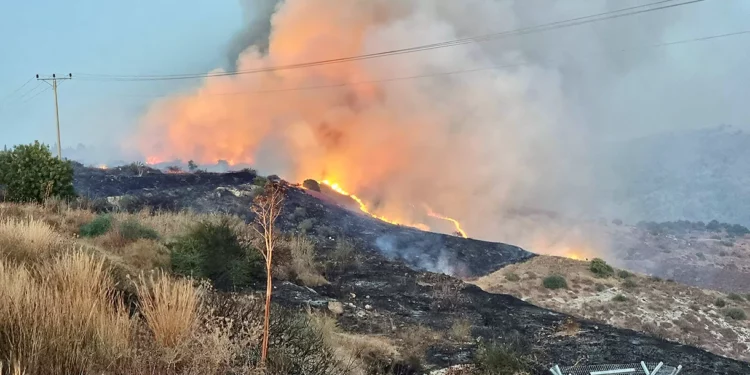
[(54, 79)]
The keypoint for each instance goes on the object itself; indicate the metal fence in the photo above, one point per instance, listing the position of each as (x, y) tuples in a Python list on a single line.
[(624, 369)]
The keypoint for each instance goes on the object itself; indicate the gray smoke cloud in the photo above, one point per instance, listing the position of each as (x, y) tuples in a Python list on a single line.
[(484, 146)]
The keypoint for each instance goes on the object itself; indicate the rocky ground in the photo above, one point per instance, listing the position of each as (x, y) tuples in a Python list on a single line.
[(654, 306), (394, 279)]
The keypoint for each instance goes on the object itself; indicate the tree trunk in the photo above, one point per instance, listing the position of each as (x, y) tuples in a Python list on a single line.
[(267, 317)]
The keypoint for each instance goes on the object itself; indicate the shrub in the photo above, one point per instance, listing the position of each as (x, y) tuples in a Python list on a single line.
[(306, 225), (495, 358), (303, 263), (737, 230), (192, 166), (600, 268), (600, 287), (31, 174), (554, 282), (460, 330), (735, 297), (510, 276), (727, 243), (619, 298), (700, 256), (97, 227), (735, 313), (311, 185), (629, 284), (624, 274), (260, 181), (132, 230), (720, 302), (213, 251)]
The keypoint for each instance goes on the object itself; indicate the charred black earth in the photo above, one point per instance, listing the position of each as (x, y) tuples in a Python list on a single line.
[(407, 277)]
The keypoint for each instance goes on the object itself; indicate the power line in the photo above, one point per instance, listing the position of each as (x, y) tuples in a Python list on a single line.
[(428, 75), (16, 90), (25, 96), (522, 31), (44, 89)]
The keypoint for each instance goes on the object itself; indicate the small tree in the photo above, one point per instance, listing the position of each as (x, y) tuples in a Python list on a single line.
[(192, 167), (31, 174), (267, 208)]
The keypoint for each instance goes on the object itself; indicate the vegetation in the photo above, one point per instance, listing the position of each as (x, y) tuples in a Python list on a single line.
[(496, 358), (720, 302), (735, 313), (97, 227), (132, 230), (619, 298), (311, 185), (623, 274), (735, 297), (192, 167), (31, 174), (682, 226), (260, 181), (213, 251), (554, 282), (601, 269), (629, 283), (510, 276)]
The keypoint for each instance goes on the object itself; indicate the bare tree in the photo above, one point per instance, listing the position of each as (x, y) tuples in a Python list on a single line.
[(267, 208)]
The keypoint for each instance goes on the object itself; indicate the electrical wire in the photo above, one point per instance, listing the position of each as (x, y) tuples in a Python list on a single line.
[(428, 75), (664, 4)]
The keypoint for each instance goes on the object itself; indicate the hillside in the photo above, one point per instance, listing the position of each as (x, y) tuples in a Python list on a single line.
[(666, 309), (696, 175), (393, 288)]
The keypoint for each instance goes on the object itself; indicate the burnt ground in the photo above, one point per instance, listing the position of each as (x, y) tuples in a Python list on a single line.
[(388, 287)]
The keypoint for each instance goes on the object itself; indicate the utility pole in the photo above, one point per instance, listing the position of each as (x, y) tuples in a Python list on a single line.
[(54, 79)]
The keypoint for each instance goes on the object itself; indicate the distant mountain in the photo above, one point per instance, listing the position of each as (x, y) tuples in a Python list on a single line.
[(691, 175)]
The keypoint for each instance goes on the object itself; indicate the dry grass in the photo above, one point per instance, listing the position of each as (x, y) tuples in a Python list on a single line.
[(303, 265), (28, 239), (357, 352), (61, 317), (170, 307), (171, 225), (460, 330)]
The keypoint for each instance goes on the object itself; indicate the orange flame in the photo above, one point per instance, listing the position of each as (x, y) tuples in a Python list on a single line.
[(363, 207), (455, 222)]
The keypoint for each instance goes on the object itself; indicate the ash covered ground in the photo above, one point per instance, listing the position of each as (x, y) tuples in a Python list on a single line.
[(405, 277)]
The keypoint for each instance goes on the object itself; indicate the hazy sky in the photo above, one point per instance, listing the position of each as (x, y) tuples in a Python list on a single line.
[(90, 36), (676, 87)]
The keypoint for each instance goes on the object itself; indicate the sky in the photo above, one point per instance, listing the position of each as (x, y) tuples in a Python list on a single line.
[(106, 37), (677, 87)]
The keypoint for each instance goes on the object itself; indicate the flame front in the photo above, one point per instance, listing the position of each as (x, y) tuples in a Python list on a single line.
[(455, 222)]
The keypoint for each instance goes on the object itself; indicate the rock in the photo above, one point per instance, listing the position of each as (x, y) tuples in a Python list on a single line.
[(361, 314), (368, 307), (336, 307)]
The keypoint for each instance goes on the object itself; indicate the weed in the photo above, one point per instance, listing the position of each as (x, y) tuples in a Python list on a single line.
[(720, 302), (132, 230), (735, 297), (510, 276), (735, 313), (460, 330), (623, 274), (619, 298), (629, 284)]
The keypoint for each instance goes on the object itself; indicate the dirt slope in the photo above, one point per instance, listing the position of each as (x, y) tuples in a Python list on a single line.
[(666, 309)]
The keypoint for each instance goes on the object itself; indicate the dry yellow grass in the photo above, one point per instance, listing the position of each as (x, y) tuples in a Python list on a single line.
[(355, 352), (28, 239), (460, 330), (303, 264), (170, 307), (61, 317)]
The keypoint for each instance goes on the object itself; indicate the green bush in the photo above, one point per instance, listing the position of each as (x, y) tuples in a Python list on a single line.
[(97, 227), (510, 276), (720, 302), (624, 274), (619, 298), (260, 181), (132, 230), (31, 174), (735, 313), (600, 268), (735, 297), (494, 359), (554, 282), (213, 251)]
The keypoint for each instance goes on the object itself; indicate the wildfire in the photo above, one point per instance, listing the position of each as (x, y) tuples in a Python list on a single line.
[(363, 207), (455, 222)]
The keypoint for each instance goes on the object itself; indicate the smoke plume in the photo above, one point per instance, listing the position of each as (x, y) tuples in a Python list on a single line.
[(474, 131)]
